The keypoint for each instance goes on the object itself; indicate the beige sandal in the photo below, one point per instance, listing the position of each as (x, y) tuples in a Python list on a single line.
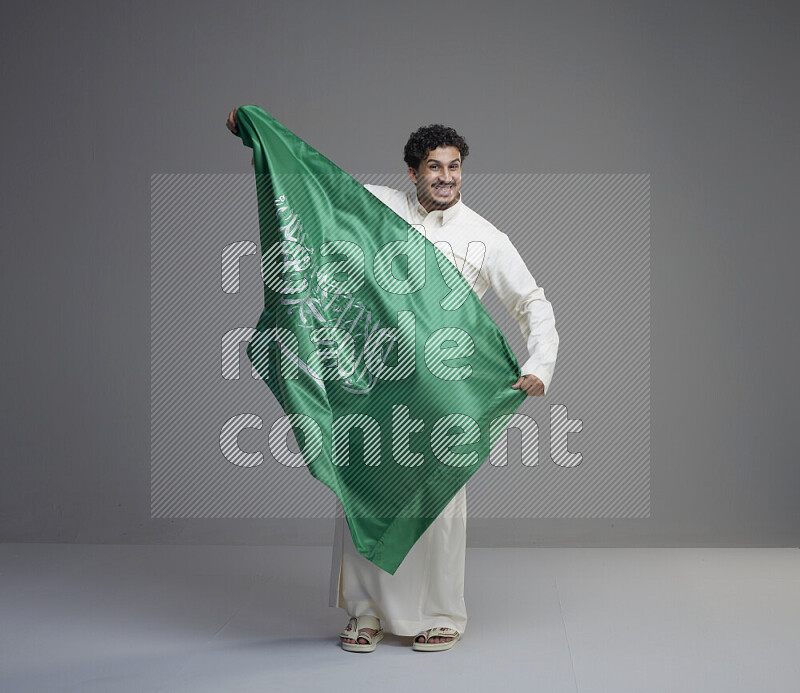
[(353, 632), (436, 646)]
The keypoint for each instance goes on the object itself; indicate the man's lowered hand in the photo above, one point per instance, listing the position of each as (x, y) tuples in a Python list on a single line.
[(532, 386)]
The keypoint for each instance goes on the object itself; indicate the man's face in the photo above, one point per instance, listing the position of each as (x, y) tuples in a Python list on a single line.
[(438, 179)]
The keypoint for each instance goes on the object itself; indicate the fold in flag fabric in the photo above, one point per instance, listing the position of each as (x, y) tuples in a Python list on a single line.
[(392, 376)]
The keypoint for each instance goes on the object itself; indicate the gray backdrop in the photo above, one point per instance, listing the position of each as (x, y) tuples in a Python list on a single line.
[(100, 96)]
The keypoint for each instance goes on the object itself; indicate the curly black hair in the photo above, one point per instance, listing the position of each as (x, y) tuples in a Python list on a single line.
[(431, 137)]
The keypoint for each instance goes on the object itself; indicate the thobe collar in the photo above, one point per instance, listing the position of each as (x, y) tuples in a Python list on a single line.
[(441, 216)]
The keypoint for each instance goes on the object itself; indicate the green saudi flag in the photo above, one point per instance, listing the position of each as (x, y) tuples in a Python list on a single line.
[(393, 377)]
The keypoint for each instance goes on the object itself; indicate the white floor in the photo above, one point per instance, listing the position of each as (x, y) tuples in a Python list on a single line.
[(215, 618)]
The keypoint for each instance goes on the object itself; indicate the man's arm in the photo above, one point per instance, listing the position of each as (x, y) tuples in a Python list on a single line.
[(526, 302)]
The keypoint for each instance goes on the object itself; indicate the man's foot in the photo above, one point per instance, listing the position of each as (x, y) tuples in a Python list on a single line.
[(436, 639), (362, 634), (362, 641)]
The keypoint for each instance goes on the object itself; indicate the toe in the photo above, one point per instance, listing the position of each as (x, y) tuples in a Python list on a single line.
[(370, 631), (438, 639)]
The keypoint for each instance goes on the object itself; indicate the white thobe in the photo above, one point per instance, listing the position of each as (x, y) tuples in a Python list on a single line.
[(427, 590)]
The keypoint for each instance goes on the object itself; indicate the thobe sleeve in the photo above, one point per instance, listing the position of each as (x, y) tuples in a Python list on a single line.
[(382, 192), (525, 301)]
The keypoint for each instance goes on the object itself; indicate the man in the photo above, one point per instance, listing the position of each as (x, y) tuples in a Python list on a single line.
[(425, 596)]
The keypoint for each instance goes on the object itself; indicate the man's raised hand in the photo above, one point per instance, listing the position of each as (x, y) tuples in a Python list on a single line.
[(231, 122)]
